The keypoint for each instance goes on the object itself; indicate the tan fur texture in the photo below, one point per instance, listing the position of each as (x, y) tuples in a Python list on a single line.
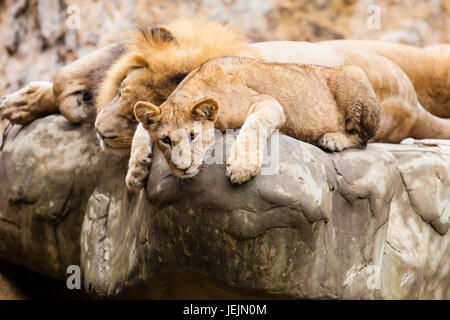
[(76, 84), (156, 61), (428, 69), (332, 108), (34, 101), (168, 52), (443, 48), (70, 94), (402, 114), (173, 51)]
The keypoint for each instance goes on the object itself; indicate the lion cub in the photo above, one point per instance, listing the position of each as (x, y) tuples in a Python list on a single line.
[(334, 109)]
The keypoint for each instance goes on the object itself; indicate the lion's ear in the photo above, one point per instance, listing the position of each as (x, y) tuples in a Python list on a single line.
[(156, 35), (206, 108), (161, 35), (146, 113)]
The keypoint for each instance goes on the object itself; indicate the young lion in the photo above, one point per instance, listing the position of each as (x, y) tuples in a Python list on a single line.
[(333, 108)]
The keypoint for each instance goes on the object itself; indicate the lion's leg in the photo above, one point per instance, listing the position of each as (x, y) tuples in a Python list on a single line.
[(70, 94), (359, 104), (140, 159), (72, 87), (75, 84), (76, 103), (246, 154), (34, 101)]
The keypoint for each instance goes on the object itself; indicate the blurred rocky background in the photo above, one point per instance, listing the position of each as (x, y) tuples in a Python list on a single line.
[(39, 36)]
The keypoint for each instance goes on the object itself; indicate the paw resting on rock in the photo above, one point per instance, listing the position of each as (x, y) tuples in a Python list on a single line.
[(241, 166), (335, 142), (138, 170), (28, 103)]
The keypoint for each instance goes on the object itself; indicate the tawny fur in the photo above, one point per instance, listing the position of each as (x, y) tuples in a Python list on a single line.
[(171, 58), (402, 114), (428, 70), (74, 84), (179, 48), (393, 88), (333, 108), (70, 93), (156, 61)]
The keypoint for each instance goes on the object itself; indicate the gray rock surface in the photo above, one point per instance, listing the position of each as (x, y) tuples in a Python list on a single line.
[(324, 226)]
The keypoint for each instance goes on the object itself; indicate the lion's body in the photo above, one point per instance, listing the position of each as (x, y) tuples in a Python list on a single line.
[(333, 108), (307, 94), (156, 61), (394, 89), (428, 70), (403, 115)]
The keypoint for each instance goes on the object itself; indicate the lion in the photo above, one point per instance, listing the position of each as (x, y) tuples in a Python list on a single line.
[(335, 109), (112, 119)]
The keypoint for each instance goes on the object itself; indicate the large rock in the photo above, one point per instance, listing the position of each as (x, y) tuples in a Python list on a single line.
[(323, 226)]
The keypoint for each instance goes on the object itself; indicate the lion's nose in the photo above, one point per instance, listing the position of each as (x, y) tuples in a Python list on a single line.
[(183, 169), (105, 135)]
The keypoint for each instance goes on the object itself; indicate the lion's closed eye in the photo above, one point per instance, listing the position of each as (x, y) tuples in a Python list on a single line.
[(166, 140)]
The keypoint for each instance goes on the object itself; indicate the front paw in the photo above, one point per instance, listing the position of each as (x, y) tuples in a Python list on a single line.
[(26, 104), (240, 174), (138, 170), (241, 168)]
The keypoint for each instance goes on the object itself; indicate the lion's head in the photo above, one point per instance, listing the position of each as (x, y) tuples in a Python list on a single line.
[(184, 132), (156, 61)]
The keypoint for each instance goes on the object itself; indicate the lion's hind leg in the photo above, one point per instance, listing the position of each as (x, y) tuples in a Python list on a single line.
[(34, 101), (359, 105)]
